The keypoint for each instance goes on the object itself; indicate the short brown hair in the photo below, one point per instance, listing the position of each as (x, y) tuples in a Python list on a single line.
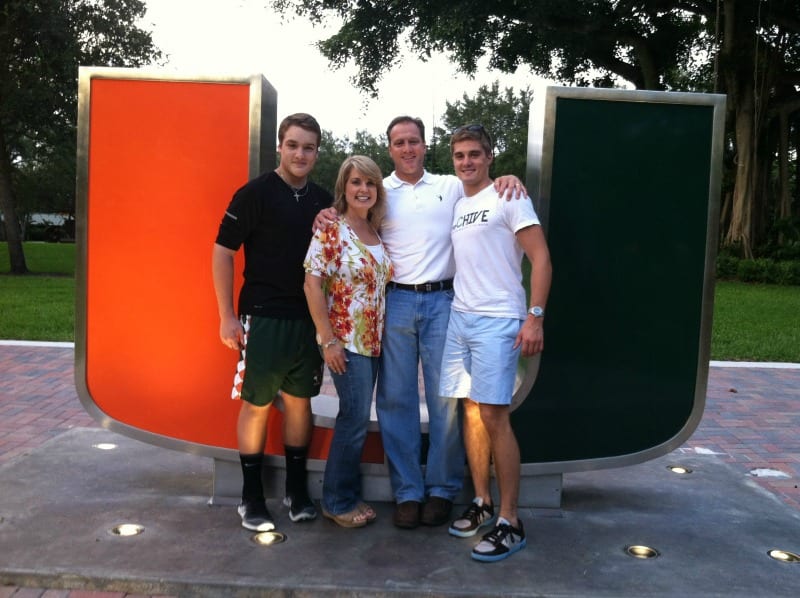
[(405, 119), (302, 120), (366, 166), (475, 132)]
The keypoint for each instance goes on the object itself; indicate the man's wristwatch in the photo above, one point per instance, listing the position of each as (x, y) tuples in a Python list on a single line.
[(536, 311)]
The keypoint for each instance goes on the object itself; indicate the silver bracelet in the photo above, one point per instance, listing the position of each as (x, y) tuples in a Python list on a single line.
[(330, 343)]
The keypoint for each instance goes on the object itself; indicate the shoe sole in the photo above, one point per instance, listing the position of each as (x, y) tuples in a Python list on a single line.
[(493, 558), (454, 531), (267, 526), (301, 516)]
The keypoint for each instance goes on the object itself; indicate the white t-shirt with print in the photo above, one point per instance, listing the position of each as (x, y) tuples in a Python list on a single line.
[(488, 257)]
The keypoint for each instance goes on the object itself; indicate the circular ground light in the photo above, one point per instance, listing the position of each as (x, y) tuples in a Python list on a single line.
[(784, 556), (127, 529), (269, 538), (641, 552), (679, 469)]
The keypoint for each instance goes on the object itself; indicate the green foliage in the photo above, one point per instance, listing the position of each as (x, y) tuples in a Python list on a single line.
[(333, 151), (504, 114), (727, 267), (769, 271), (760, 270), (782, 240), (576, 41), (42, 44)]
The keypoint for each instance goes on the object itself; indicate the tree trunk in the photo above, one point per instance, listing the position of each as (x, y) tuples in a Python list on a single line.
[(784, 195), (739, 229), (737, 65), (10, 221)]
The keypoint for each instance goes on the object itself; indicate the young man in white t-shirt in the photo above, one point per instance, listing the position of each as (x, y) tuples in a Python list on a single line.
[(490, 325)]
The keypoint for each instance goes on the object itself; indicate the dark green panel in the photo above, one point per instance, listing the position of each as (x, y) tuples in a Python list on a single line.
[(627, 226)]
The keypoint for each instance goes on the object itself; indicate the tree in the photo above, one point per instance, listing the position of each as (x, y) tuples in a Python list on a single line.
[(745, 48), (333, 151), (41, 46), (505, 117)]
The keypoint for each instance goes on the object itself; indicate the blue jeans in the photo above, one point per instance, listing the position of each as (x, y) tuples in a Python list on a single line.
[(416, 329), (341, 483)]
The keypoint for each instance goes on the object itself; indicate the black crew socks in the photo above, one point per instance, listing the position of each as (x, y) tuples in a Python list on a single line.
[(252, 487), (296, 470)]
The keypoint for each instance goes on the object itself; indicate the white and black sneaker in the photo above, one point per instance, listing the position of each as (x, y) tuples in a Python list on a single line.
[(301, 507), (476, 516), (255, 515), (503, 541)]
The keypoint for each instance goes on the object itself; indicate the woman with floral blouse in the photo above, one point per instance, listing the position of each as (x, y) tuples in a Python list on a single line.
[(347, 269)]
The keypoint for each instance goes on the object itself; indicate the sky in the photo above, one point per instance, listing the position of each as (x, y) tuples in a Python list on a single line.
[(244, 37)]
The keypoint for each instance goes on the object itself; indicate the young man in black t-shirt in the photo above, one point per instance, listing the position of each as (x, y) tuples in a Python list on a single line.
[(272, 216)]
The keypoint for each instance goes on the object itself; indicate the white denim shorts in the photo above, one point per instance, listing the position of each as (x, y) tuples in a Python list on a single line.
[(479, 360)]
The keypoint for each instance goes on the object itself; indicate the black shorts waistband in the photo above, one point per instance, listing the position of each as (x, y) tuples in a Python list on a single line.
[(425, 287)]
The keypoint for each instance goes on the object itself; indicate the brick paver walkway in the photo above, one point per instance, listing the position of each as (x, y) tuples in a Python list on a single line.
[(751, 420)]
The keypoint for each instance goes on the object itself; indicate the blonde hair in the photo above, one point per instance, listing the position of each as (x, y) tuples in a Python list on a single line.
[(372, 172)]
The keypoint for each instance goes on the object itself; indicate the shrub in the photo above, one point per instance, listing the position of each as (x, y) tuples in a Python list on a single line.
[(727, 266), (789, 272)]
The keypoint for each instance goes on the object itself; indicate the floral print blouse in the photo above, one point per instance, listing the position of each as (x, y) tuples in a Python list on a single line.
[(354, 283)]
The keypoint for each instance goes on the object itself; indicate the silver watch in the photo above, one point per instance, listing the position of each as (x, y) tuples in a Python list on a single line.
[(536, 311)]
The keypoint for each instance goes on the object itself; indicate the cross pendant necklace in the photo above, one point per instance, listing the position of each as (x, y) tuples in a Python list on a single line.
[(301, 192)]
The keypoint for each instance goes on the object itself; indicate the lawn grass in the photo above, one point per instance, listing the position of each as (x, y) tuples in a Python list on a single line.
[(756, 322), (37, 308), (752, 322), (43, 258)]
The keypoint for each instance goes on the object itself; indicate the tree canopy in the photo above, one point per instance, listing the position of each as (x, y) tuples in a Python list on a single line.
[(747, 49), (42, 44)]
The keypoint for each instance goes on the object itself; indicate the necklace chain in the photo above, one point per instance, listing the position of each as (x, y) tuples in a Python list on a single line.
[(297, 194), (296, 191)]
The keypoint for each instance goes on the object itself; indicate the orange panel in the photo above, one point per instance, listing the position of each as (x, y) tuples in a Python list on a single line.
[(164, 160)]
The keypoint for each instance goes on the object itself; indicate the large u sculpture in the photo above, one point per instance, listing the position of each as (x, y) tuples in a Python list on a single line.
[(627, 185)]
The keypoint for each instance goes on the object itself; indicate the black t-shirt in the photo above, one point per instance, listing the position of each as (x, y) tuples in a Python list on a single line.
[(275, 229)]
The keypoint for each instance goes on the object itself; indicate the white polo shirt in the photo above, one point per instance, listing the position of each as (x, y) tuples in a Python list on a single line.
[(416, 229)]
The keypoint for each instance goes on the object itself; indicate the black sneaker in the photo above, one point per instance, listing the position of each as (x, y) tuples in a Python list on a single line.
[(474, 518), (301, 507), (255, 515), (503, 541)]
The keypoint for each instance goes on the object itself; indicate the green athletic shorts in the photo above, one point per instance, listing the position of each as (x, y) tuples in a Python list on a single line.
[(278, 355)]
